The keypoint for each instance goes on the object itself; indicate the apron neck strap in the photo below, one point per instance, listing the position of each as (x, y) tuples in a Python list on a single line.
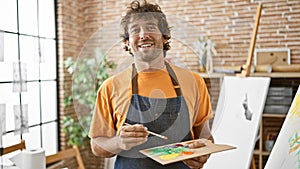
[(171, 74)]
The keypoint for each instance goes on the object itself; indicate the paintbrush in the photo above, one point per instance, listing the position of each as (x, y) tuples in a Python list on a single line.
[(150, 132)]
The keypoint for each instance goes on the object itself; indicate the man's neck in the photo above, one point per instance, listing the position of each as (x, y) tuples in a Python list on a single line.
[(154, 65)]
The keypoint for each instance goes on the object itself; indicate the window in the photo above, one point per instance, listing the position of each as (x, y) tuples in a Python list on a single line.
[(28, 74)]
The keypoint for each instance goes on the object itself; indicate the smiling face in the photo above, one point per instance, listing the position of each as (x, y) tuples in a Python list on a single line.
[(145, 39)]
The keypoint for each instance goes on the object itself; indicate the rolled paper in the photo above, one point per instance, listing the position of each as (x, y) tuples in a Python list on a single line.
[(263, 68), (30, 159), (286, 68)]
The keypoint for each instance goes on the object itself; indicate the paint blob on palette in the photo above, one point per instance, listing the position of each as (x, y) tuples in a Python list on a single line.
[(180, 151), (171, 151)]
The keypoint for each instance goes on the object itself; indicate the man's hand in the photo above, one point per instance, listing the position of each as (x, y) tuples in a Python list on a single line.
[(197, 162), (131, 136)]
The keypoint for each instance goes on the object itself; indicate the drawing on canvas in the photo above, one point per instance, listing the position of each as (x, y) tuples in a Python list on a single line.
[(248, 113), (21, 119), (19, 77)]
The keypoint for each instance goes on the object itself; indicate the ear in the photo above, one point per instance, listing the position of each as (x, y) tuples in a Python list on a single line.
[(125, 45), (165, 40)]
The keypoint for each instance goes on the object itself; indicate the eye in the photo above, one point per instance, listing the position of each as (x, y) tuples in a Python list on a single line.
[(152, 28), (134, 31)]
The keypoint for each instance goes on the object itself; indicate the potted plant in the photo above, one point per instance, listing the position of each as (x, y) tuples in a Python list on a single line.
[(88, 74), (205, 49)]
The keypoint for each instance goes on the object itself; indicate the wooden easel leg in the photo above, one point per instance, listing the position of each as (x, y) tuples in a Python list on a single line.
[(246, 71), (253, 165)]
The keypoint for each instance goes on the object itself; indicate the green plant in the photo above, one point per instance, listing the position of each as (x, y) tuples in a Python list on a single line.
[(88, 74), (76, 133)]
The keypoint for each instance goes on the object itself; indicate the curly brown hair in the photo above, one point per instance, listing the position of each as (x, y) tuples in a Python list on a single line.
[(137, 9)]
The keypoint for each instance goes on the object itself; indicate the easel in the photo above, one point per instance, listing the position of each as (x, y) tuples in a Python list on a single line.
[(246, 68)]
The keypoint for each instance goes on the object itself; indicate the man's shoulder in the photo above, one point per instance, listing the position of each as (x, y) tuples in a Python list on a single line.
[(119, 77)]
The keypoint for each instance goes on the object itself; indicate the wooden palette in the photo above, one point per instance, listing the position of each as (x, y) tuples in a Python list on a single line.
[(179, 154)]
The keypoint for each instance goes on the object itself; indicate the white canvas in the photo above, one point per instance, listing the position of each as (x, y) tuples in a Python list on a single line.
[(286, 151), (236, 121)]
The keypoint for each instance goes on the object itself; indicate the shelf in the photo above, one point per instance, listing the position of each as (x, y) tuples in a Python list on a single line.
[(256, 74), (264, 153), (256, 152), (274, 115), (277, 74)]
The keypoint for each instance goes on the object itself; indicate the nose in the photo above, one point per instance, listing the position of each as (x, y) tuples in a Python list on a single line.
[(143, 34)]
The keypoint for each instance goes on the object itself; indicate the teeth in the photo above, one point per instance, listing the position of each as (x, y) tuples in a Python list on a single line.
[(146, 45)]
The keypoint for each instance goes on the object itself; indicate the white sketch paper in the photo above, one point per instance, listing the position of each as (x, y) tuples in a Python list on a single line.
[(236, 120), (1, 46), (21, 118), (2, 122), (19, 77), (41, 51), (286, 151), (36, 49)]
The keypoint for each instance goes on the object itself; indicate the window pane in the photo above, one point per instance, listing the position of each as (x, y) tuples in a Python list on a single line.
[(10, 139), (48, 63), (28, 17), (34, 46), (29, 55), (33, 138), (46, 18), (50, 138), (32, 99), (8, 15), (10, 99), (48, 98), (10, 56)]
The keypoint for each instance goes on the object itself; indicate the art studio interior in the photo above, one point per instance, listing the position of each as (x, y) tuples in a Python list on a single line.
[(55, 55)]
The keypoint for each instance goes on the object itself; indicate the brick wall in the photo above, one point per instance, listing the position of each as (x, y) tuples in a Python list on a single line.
[(72, 32), (229, 23)]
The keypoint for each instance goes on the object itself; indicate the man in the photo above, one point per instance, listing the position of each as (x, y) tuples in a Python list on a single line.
[(152, 95)]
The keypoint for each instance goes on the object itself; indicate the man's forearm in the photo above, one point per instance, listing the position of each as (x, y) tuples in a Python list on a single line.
[(105, 146)]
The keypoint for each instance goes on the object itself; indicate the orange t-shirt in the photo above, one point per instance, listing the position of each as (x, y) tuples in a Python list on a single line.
[(114, 96)]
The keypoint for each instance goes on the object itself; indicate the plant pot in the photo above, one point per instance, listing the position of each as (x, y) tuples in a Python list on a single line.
[(202, 69)]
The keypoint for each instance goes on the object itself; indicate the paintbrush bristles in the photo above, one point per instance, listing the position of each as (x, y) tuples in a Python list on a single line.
[(150, 132)]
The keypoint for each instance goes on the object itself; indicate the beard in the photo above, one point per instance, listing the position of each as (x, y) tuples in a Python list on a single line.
[(149, 55)]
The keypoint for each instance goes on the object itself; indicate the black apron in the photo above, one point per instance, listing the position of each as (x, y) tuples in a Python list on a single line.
[(166, 116)]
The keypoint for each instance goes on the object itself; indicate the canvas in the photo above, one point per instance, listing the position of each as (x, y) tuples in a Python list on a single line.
[(286, 151), (236, 122)]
